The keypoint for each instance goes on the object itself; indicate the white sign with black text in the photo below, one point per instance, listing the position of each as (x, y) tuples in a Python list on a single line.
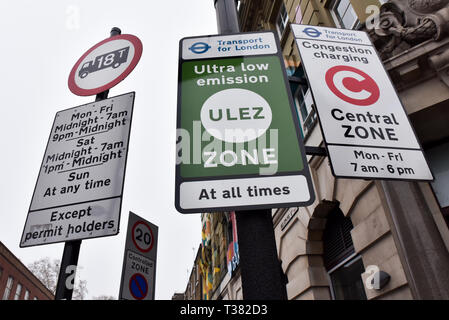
[(358, 106), (80, 183)]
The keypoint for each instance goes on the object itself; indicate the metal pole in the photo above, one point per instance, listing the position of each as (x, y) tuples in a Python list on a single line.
[(71, 252), (227, 19), (260, 269), (69, 262)]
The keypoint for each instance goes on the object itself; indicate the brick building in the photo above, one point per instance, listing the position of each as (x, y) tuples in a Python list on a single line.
[(17, 282)]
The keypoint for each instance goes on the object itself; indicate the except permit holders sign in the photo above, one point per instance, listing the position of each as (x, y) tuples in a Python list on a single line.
[(139, 262), (365, 127), (238, 139), (79, 189)]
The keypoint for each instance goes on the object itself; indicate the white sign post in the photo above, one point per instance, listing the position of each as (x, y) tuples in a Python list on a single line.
[(79, 190), (139, 263), (365, 126)]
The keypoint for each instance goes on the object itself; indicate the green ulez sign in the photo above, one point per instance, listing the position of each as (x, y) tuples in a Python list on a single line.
[(238, 140), (231, 79)]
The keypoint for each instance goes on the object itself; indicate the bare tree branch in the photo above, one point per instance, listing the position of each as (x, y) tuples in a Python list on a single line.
[(47, 272)]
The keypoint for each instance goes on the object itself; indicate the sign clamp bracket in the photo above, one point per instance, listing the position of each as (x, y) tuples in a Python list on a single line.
[(316, 151)]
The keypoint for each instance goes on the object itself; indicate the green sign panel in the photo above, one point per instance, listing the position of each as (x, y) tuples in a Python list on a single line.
[(238, 140)]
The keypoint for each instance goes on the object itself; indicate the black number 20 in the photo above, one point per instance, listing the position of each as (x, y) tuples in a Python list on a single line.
[(146, 236)]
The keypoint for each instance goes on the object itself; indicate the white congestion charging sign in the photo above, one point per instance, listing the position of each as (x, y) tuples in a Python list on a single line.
[(365, 127)]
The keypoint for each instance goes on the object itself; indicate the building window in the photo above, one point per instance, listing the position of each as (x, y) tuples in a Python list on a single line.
[(282, 20), (1, 272), (438, 160), (343, 265), (8, 288), (18, 291), (303, 100), (26, 295), (344, 15), (304, 106)]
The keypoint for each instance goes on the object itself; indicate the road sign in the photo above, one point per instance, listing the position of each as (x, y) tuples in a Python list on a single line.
[(104, 65), (139, 263), (239, 145), (142, 236), (138, 286), (79, 189), (365, 127)]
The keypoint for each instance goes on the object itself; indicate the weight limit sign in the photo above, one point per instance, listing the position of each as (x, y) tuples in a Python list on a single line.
[(105, 65)]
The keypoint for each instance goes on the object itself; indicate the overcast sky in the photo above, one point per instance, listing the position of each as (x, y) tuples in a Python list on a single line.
[(42, 40)]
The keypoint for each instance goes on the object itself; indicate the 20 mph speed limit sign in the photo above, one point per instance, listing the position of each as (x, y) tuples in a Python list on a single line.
[(142, 236), (365, 127), (105, 64), (139, 262)]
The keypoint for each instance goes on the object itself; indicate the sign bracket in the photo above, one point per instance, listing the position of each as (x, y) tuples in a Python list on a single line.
[(316, 151), (300, 81)]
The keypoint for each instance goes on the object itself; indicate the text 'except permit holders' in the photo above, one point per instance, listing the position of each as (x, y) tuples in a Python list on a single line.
[(92, 219)]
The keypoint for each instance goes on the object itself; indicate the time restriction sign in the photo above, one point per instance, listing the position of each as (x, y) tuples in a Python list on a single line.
[(365, 127)]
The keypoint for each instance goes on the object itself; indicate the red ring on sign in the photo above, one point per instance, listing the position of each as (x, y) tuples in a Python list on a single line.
[(133, 277), (367, 84), (138, 48), (134, 241)]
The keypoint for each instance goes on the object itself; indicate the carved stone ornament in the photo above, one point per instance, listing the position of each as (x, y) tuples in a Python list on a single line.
[(403, 24)]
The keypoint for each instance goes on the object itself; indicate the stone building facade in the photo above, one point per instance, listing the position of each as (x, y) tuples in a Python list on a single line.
[(333, 249), (365, 239)]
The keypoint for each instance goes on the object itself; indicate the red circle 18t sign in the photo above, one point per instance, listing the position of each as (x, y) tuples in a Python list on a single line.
[(105, 64)]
